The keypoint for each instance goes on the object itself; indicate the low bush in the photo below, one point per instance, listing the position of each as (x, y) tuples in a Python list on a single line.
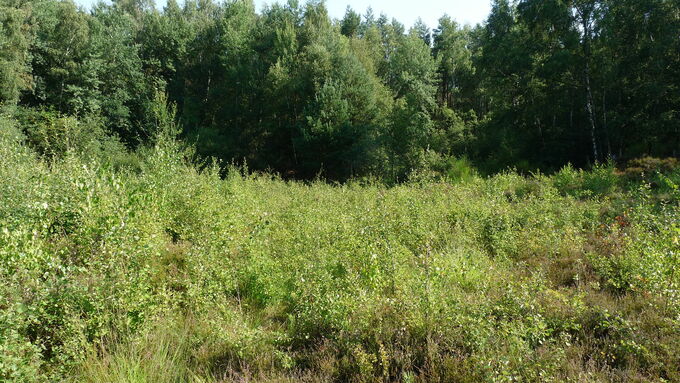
[(161, 272)]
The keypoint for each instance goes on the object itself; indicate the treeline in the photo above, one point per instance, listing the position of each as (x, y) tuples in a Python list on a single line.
[(540, 84)]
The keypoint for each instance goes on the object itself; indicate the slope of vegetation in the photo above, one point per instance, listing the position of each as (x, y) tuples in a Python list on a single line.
[(119, 267)]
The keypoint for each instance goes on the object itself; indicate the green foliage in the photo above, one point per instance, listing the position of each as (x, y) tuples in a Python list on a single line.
[(15, 39), (53, 135), (443, 168), (601, 181), (656, 171), (121, 260), (289, 90), (171, 274)]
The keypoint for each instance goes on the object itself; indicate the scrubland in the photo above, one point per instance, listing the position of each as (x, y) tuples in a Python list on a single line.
[(149, 267)]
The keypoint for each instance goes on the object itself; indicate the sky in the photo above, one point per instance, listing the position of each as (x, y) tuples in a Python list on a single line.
[(406, 11)]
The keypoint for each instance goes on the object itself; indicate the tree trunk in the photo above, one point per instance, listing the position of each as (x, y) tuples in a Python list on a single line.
[(604, 122), (585, 20)]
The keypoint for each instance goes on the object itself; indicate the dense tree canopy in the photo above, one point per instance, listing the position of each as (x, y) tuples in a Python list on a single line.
[(538, 85)]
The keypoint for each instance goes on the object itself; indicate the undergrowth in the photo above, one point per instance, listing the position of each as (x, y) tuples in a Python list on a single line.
[(150, 270)]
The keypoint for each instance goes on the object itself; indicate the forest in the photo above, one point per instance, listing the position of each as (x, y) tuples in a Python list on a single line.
[(207, 193), (539, 85)]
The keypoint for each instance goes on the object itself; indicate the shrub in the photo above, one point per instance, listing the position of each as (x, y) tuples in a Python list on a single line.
[(172, 273), (442, 167), (600, 181)]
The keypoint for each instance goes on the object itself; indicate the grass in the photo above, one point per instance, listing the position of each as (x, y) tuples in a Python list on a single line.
[(161, 272)]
